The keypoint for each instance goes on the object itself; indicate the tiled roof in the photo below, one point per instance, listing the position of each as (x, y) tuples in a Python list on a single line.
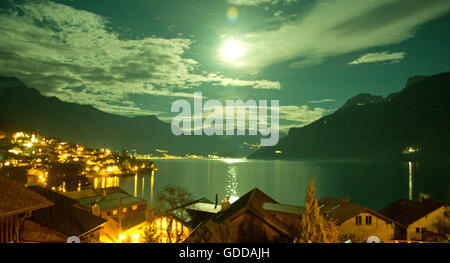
[(252, 202), (253, 199), (16, 198), (106, 199), (93, 192), (288, 209), (63, 216), (342, 210), (408, 211)]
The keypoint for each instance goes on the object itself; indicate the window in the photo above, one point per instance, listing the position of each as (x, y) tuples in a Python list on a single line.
[(124, 210), (115, 212), (424, 229), (134, 207), (368, 220), (358, 220), (108, 213), (417, 230)]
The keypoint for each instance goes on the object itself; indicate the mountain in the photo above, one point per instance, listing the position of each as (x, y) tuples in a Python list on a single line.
[(413, 123), (362, 99), (84, 124)]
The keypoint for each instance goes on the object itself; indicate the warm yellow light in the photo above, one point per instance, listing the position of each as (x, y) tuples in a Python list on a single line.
[(232, 49), (135, 237), (18, 135)]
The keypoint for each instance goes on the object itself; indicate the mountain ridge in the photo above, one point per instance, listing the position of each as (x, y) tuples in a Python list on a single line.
[(415, 117), (88, 125)]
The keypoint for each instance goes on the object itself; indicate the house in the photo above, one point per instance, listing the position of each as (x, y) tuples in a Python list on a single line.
[(108, 200), (126, 214), (185, 219), (256, 217), (357, 222), (60, 221), (16, 204), (420, 219)]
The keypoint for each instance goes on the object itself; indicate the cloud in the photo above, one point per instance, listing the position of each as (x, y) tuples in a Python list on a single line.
[(289, 115), (376, 57), (54, 48), (302, 115), (258, 2), (333, 28), (321, 101)]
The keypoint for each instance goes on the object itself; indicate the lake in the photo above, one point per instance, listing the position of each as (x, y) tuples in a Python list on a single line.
[(369, 183)]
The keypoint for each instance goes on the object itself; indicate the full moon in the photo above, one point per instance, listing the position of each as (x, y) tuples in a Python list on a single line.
[(232, 49)]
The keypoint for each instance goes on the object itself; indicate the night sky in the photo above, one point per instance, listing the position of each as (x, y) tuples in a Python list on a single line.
[(136, 57)]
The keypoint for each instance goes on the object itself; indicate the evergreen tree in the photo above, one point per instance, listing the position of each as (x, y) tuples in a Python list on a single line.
[(314, 228)]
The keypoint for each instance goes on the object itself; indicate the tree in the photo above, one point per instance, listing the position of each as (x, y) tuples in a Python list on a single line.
[(152, 234), (171, 203), (314, 228)]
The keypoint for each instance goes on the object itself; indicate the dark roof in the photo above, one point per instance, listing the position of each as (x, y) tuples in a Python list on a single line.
[(64, 216), (281, 208), (252, 202), (343, 210), (93, 192), (408, 211), (195, 212), (16, 198), (253, 199), (105, 198)]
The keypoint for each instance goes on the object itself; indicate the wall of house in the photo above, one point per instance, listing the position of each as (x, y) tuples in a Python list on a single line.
[(427, 222), (250, 228), (292, 221), (7, 229), (161, 224), (47, 234), (359, 233)]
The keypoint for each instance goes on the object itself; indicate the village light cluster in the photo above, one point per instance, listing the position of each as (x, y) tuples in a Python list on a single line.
[(37, 154)]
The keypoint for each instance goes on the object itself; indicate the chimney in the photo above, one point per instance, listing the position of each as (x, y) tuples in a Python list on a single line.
[(225, 203), (96, 210), (424, 197), (217, 198)]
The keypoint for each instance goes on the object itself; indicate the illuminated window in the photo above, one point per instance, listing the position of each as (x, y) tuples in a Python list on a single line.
[(115, 212), (124, 210), (134, 207), (368, 220), (358, 220), (164, 223)]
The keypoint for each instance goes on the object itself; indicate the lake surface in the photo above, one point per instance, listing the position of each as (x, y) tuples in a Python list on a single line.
[(372, 184)]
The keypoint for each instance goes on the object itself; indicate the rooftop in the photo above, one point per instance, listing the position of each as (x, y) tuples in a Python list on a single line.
[(407, 211), (17, 199), (106, 199), (341, 210), (253, 202), (63, 216), (288, 209)]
